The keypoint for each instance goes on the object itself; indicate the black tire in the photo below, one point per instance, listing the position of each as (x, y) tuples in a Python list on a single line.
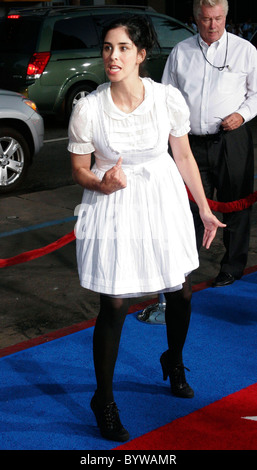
[(77, 92), (14, 159)]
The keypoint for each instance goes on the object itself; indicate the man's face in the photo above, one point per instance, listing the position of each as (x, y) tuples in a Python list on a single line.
[(211, 23)]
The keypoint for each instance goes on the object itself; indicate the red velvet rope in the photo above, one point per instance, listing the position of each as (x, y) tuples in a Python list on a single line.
[(223, 207), (29, 255), (233, 206)]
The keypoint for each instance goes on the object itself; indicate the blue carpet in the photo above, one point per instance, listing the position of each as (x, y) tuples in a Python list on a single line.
[(45, 390)]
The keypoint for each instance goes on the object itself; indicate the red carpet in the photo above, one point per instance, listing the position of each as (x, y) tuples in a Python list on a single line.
[(228, 424)]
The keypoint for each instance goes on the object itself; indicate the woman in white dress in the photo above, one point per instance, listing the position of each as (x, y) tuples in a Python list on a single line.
[(135, 232)]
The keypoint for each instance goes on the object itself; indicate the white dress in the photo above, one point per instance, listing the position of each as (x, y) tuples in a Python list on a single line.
[(140, 239)]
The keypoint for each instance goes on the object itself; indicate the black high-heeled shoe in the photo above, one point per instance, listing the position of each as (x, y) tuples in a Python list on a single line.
[(176, 374), (108, 421)]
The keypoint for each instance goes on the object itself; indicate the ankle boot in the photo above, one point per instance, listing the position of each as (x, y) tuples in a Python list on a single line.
[(176, 374), (108, 421)]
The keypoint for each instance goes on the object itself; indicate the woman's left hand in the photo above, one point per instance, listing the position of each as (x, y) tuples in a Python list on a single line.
[(211, 224)]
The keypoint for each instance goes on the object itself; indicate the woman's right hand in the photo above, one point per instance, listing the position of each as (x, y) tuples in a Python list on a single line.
[(211, 225), (114, 179)]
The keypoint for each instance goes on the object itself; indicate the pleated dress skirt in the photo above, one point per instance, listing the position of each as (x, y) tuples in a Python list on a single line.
[(140, 239)]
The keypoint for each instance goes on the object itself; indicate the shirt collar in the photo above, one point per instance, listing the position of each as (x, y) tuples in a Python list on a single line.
[(114, 112)]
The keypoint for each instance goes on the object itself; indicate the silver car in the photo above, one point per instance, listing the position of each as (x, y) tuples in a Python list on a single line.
[(21, 137)]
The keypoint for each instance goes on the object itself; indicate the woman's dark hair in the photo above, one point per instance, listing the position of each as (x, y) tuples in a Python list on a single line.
[(139, 29)]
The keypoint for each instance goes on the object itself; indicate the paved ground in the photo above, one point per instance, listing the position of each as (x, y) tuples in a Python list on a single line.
[(43, 295)]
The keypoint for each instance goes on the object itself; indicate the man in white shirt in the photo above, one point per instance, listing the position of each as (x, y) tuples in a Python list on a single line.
[(216, 72)]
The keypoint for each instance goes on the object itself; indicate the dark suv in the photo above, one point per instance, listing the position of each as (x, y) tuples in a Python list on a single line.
[(54, 54)]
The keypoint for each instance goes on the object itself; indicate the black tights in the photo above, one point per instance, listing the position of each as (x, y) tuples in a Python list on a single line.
[(106, 342), (108, 330), (177, 319)]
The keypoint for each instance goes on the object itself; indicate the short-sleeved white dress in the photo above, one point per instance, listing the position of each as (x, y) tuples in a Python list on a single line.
[(140, 239)]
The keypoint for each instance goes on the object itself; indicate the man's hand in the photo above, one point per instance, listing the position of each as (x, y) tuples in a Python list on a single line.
[(232, 122)]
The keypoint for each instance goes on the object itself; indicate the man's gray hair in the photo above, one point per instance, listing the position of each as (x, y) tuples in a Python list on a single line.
[(208, 3)]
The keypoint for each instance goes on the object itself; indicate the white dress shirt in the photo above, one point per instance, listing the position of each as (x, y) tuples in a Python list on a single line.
[(210, 93)]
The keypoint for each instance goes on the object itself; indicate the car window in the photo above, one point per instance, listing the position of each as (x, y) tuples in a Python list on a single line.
[(74, 33), (18, 35), (169, 32), (102, 20)]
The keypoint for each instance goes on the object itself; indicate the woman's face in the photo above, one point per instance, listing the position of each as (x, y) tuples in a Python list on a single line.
[(120, 55)]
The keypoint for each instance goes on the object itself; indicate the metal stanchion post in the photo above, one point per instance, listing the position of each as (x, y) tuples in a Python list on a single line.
[(154, 314)]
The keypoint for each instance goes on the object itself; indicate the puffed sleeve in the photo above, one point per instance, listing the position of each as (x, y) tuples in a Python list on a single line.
[(80, 130), (178, 112)]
